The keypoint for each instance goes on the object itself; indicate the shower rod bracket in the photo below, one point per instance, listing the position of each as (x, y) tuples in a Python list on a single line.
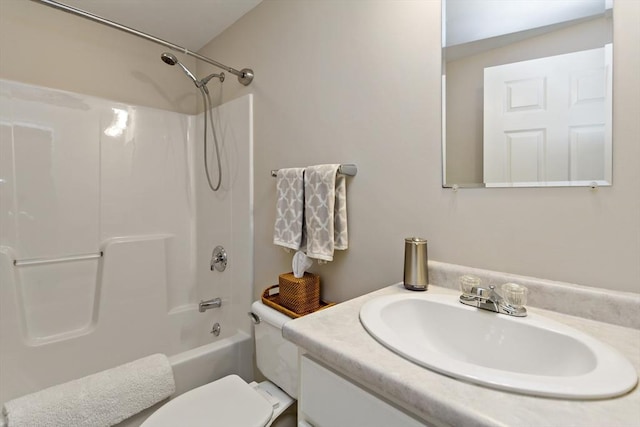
[(247, 76)]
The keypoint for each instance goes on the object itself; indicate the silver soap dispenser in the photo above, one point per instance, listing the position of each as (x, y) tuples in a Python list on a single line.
[(416, 260)]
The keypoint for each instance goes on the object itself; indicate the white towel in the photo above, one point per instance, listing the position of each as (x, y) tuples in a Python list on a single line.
[(102, 399), (325, 208), (288, 229)]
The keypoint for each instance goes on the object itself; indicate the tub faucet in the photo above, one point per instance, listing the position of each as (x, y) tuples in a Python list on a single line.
[(491, 300), (211, 303)]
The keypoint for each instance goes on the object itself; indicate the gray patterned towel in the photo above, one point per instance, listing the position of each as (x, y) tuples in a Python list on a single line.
[(325, 206), (288, 227)]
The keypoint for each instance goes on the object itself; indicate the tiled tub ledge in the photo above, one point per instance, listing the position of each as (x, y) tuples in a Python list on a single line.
[(336, 338), (619, 308)]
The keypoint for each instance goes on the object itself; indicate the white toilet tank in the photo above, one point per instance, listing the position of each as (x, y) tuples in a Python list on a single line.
[(276, 357)]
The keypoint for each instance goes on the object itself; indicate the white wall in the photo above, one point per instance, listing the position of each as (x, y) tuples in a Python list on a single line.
[(43, 46), (359, 82)]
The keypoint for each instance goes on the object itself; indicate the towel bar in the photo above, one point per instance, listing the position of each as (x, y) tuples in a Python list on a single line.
[(36, 261), (346, 169)]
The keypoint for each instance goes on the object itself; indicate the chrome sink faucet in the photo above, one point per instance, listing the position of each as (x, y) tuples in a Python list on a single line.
[(510, 302)]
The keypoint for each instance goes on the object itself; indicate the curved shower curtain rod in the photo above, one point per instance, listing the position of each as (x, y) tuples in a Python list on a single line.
[(245, 76)]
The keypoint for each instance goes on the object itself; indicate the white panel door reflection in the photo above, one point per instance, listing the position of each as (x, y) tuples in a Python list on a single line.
[(547, 120)]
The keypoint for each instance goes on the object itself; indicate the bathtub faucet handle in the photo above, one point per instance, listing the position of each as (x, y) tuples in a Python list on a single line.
[(219, 259)]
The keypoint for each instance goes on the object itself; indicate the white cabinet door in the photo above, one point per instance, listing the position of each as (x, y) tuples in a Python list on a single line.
[(548, 119), (329, 400)]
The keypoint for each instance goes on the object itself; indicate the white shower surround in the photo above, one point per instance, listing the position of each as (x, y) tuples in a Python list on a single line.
[(78, 177)]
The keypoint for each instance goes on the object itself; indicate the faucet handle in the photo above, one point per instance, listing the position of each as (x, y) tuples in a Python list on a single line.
[(514, 294), (467, 283)]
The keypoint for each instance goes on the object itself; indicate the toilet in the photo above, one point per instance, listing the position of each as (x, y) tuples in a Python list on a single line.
[(230, 401)]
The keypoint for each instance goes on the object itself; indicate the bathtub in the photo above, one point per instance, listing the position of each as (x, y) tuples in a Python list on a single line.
[(201, 365)]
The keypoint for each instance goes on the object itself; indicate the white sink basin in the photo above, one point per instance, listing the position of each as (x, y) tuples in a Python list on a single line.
[(531, 355)]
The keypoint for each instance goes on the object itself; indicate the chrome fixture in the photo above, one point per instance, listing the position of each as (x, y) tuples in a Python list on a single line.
[(219, 76), (245, 76), (209, 304), (510, 302), (254, 317), (39, 261), (171, 59), (219, 259), (215, 330), (346, 169)]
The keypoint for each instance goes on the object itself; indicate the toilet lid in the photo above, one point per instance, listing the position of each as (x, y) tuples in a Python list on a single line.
[(228, 401)]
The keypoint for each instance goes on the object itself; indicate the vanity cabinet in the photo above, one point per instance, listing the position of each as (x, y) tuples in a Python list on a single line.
[(327, 399), (348, 378)]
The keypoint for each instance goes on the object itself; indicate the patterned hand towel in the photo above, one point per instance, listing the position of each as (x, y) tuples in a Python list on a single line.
[(325, 198), (288, 227)]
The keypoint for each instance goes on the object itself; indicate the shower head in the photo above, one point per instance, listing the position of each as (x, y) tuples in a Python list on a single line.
[(169, 58), (172, 60)]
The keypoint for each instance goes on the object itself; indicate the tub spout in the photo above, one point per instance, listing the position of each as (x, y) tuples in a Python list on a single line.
[(211, 303)]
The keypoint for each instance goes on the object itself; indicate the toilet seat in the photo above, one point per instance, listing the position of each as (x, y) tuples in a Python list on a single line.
[(228, 401)]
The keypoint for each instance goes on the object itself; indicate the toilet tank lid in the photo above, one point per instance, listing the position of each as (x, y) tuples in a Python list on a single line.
[(269, 315)]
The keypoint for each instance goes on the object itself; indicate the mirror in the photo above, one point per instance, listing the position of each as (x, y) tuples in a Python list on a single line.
[(527, 93)]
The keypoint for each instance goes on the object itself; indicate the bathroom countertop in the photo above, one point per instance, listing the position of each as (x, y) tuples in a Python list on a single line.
[(336, 337)]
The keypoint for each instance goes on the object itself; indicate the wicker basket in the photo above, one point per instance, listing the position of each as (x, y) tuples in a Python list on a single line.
[(271, 298), (300, 295)]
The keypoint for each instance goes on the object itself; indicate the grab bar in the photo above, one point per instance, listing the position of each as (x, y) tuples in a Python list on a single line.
[(39, 261), (346, 169)]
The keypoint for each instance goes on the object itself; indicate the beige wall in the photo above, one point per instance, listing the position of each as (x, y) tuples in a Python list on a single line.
[(465, 90), (47, 47), (355, 81)]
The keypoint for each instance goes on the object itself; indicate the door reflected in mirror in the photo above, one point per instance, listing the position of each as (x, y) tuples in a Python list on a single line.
[(527, 93)]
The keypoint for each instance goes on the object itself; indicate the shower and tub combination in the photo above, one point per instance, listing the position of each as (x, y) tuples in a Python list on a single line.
[(100, 261)]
